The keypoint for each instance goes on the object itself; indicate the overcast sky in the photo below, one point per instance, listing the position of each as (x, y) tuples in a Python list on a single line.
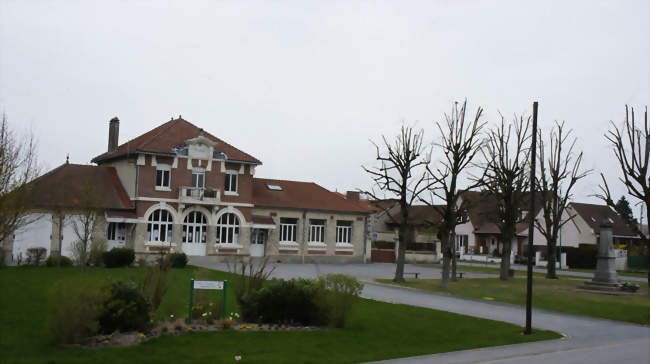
[(304, 85)]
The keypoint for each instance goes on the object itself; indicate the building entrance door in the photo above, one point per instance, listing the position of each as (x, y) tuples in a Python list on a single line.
[(258, 241)]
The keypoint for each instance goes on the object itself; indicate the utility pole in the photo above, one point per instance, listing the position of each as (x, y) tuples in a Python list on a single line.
[(531, 226)]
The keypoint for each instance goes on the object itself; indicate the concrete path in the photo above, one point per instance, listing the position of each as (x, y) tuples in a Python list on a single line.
[(588, 340)]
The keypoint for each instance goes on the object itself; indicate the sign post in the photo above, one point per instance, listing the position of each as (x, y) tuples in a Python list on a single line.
[(209, 285)]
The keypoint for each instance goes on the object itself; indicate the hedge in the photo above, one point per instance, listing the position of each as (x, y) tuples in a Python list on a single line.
[(584, 256), (118, 257)]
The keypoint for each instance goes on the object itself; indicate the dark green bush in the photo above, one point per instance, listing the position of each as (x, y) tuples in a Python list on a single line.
[(51, 261), (584, 256), (35, 255), (74, 307), (178, 260), (125, 309), (118, 257), (285, 302)]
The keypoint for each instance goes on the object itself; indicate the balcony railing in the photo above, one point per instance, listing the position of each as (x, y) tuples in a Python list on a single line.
[(206, 194)]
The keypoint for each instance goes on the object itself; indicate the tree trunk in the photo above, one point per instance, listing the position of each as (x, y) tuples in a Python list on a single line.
[(453, 261), (446, 260), (60, 243), (401, 253), (505, 260), (551, 254), (647, 240)]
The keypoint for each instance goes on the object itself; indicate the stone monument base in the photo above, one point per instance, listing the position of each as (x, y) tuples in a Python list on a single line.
[(601, 286)]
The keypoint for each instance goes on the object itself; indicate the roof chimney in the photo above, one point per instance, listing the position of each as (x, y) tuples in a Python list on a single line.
[(352, 195), (113, 134)]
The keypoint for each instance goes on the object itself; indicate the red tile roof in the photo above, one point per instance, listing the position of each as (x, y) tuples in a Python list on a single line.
[(301, 195), (264, 220), (64, 186), (173, 134), (594, 215)]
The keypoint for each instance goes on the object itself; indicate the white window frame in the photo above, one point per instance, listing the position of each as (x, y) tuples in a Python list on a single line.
[(198, 182), (164, 169), (288, 231), (116, 231), (228, 227), (316, 231), (159, 224), (228, 183), (343, 232), (194, 230)]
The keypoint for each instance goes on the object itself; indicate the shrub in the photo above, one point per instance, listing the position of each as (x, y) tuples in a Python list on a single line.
[(584, 256), (178, 260), (118, 257), (52, 261), (125, 309), (74, 308), (97, 248), (153, 285), (339, 291), (35, 255), (281, 301)]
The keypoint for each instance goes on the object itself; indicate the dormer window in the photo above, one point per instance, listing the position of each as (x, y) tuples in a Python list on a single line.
[(163, 176), (231, 182), (273, 187)]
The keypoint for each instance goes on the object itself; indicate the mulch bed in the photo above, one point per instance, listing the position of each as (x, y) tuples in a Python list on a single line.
[(179, 327)]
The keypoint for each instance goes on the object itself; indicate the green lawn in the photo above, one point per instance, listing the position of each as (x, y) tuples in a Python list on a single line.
[(621, 273), (555, 295), (494, 269), (489, 269), (376, 330)]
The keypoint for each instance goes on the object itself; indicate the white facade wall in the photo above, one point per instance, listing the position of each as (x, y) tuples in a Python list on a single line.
[(34, 235)]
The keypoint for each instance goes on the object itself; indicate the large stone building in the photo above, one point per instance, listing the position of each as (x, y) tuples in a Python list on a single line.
[(179, 188)]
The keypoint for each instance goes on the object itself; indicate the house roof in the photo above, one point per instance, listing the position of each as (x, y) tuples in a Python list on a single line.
[(65, 186), (419, 215), (481, 208), (594, 215), (301, 195), (171, 134)]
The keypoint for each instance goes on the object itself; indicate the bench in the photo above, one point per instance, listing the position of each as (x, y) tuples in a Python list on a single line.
[(415, 274)]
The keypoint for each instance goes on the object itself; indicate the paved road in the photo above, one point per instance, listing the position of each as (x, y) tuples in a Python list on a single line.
[(588, 340)]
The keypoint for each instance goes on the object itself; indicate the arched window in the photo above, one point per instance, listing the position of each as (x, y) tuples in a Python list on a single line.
[(228, 229), (194, 228), (159, 227)]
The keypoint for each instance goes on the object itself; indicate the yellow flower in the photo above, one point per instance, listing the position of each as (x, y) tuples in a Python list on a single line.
[(189, 328), (142, 336)]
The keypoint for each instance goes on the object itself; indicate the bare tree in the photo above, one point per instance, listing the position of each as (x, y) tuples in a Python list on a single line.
[(460, 142), (631, 144), (505, 178), (400, 161), (18, 166), (558, 175), (83, 223)]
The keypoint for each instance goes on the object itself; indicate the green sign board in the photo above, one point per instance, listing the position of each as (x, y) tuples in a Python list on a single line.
[(208, 285)]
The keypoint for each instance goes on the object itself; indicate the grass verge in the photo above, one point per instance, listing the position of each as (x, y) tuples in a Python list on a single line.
[(376, 330), (555, 295), (494, 269)]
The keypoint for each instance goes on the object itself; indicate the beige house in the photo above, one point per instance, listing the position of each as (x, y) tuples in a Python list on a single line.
[(179, 188)]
